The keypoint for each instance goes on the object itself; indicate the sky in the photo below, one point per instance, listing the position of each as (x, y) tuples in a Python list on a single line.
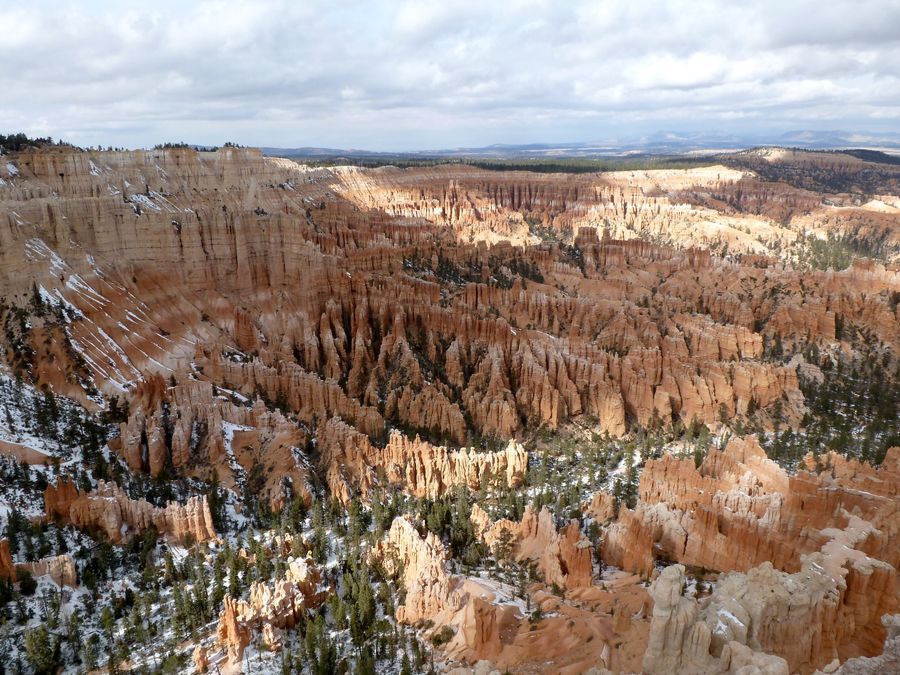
[(428, 75)]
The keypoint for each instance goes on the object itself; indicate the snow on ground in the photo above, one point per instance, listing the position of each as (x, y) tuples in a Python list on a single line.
[(37, 249), (140, 200), (228, 429), (504, 594), (19, 406), (11, 169)]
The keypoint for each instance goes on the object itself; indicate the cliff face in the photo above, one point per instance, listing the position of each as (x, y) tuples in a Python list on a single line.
[(886, 662), (110, 510), (748, 211)]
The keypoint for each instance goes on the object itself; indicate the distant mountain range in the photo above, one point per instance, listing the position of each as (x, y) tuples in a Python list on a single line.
[(661, 143)]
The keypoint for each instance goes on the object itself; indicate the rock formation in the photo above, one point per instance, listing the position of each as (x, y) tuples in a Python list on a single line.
[(270, 608), (833, 604), (200, 659), (886, 662), (563, 558), (488, 625), (266, 321), (353, 465), (60, 568), (7, 568), (679, 643), (109, 510), (196, 425), (420, 563), (739, 510)]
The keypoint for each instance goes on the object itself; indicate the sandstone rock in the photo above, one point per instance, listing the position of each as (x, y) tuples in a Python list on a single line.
[(886, 662), (740, 510), (836, 600), (270, 609), (681, 644), (563, 558), (420, 561), (353, 464), (115, 514), (60, 568), (601, 508), (231, 632), (201, 659)]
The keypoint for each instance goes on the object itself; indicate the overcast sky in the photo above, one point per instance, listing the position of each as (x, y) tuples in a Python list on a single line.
[(420, 75)]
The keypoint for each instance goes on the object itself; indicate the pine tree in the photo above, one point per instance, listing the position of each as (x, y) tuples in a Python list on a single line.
[(41, 650)]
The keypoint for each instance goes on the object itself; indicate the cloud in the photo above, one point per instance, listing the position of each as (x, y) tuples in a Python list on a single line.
[(401, 75)]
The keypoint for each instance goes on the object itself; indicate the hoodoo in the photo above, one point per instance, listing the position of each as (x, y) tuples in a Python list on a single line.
[(264, 415)]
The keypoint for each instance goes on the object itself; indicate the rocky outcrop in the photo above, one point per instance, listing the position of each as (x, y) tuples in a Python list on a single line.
[(434, 595), (739, 510), (270, 608), (564, 558), (679, 643), (196, 426), (419, 562), (109, 510), (352, 464), (60, 568), (834, 604), (200, 659), (232, 633), (601, 508)]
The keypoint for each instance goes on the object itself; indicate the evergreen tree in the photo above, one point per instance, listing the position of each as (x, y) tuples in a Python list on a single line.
[(41, 649)]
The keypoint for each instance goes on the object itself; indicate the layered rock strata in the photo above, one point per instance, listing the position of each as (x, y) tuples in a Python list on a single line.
[(739, 510)]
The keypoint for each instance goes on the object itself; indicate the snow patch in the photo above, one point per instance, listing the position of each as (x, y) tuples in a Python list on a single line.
[(144, 201)]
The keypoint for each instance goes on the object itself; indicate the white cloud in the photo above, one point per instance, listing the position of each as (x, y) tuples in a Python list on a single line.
[(397, 75)]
